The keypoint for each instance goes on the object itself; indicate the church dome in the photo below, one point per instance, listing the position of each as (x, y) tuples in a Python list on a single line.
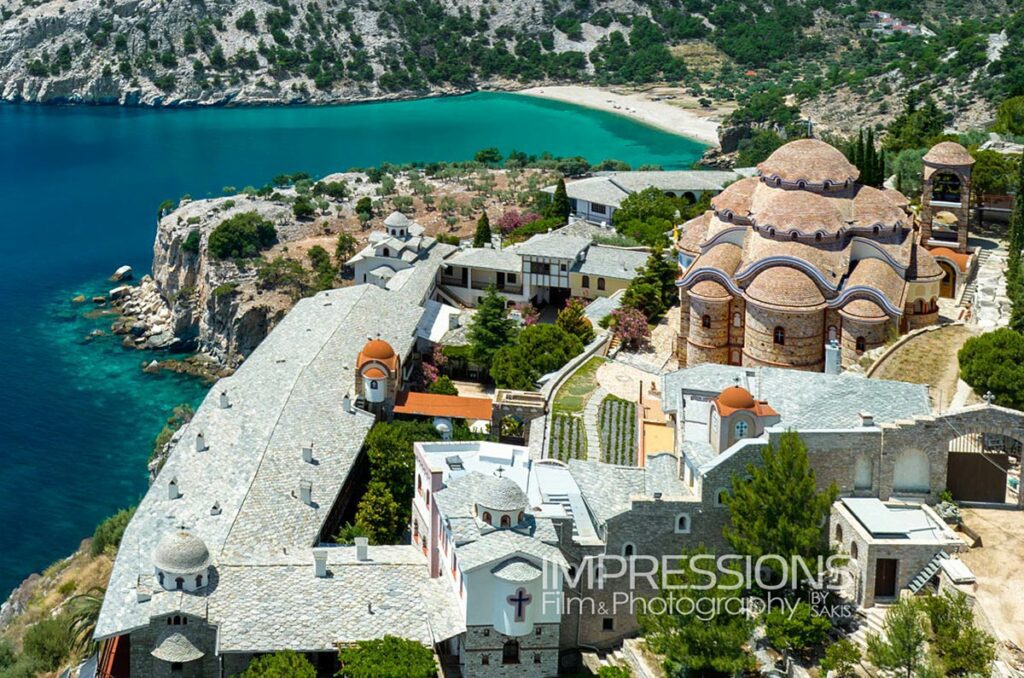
[(378, 349), (181, 552), (809, 160), (782, 286), (397, 220), (501, 494), (948, 153), (736, 397)]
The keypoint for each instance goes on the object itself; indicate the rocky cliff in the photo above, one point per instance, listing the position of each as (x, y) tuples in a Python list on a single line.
[(193, 300), (180, 52)]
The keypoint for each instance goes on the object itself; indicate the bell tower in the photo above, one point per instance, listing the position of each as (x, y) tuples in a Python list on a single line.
[(946, 196)]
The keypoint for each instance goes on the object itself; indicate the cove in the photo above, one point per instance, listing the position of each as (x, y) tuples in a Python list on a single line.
[(80, 187)]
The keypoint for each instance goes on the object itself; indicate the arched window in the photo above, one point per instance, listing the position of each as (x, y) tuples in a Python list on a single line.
[(801, 185), (487, 518), (179, 583), (839, 533), (833, 333), (861, 344), (793, 235), (177, 620), (510, 652), (705, 321), (160, 578), (199, 581), (628, 550), (683, 523), (737, 319), (519, 518), (779, 336), (387, 252), (506, 521), (600, 283), (817, 237), (854, 551), (741, 429), (373, 384), (721, 496)]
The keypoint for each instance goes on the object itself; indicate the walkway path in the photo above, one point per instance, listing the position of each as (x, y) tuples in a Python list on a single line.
[(591, 423), (991, 306)]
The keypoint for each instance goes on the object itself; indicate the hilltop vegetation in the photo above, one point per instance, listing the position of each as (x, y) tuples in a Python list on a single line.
[(331, 50)]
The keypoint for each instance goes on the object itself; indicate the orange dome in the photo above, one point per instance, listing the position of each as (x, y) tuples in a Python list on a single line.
[(736, 397), (378, 349)]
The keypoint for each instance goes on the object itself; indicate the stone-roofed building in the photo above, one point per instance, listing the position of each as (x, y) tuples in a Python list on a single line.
[(596, 198), (801, 257)]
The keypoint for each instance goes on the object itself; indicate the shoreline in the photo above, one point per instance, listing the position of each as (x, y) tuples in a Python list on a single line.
[(634, 106)]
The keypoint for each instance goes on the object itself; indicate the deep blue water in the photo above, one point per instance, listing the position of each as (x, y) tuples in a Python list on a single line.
[(79, 188)]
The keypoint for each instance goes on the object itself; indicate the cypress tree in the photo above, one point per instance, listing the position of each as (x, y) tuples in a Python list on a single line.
[(560, 206), (1014, 286), (482, 237)]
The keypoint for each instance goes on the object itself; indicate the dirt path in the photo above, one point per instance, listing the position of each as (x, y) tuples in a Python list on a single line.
[(997, 566)]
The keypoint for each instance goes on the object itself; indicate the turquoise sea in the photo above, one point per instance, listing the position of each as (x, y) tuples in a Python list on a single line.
[(79, 188)]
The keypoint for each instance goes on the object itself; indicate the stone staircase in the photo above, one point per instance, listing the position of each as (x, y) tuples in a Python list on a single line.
[(926, 574), (872, 621), (563, 501), (594, 661), (971, 291)]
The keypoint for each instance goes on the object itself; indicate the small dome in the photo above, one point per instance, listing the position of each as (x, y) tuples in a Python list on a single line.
[(397, 220), (784, 287), (709, 289), (174, 645), (374, 373), (181, 552), (501, 494), (809, 160), (948, 153), (378, 349), (736, 397), (864, 309)]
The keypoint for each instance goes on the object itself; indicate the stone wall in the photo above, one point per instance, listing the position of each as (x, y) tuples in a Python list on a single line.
[(875, 334), (538, 652), (144, 640), (708, 344), (804, 346)]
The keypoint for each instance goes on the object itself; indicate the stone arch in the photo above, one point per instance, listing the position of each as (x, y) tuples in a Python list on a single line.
[(947, 286), (946, 186), (912, 472)]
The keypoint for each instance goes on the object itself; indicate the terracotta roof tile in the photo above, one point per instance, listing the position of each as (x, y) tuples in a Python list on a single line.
[(693, 233), (878, 275), (736, 197), (864, 309), (435, 405), (783, 286), (709, 289), (948, 153), (809, 160), (961, 260)]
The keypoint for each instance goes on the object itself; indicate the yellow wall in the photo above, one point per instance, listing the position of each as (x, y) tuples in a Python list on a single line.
[(611, 285), (922, 290)]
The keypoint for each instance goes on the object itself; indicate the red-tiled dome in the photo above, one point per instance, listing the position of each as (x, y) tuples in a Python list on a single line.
[(736, 397), (378, 349), (809, 160)]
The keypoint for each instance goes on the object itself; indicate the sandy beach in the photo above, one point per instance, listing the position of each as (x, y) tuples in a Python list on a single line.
[(638, 106)]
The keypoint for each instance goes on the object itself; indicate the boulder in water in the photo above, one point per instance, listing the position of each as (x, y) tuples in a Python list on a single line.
[(79, 299), (123, 273)]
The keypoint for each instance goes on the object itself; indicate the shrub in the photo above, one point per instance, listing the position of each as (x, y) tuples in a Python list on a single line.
[(242, 235), (48, 643), (108, 533), (994, 362), (388, 657), (840, 659), (799, 630), (303, 207), (191, 244), (284, 664), (444, 385)]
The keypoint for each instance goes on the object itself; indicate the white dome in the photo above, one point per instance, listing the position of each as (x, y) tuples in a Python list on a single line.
[(181, 552), (397, 220), (501, 494)]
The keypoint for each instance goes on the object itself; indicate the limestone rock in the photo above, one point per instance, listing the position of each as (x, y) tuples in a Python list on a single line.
[(122, 273), (79, 299)]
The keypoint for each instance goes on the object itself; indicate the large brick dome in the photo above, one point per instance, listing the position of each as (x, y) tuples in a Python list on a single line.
[(809, 160)]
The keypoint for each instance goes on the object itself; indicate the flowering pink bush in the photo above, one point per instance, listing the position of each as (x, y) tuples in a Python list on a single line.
[(630, 326), (431, 366), (528, 312), (513, 219)]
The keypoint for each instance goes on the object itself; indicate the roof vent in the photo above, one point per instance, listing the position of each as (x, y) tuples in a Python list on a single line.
[(346, 403), (307, 453), (200, 442), (657, 496), (306, 492), (454, 462), (225, 403), (172, 489), (320, 562), (361, 549), (867, 419), (216, 510)]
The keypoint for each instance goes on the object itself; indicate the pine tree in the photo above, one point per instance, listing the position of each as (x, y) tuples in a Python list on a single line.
[(560, 206), (779, 510), (1014, 284), (573, 320), (490, 329), (904, 649), (482, 237)]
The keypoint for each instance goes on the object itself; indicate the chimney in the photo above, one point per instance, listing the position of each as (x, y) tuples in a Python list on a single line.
[(216, 510), (453, 321), (306, 492), (172, 489), (320, 562), (200, 442), (867, 419), (833, 358), (361, 543), (307, 452), (346, 403), (225, 403)]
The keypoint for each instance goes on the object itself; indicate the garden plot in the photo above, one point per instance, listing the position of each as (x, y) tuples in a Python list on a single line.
[(568, 439), (617, 428)]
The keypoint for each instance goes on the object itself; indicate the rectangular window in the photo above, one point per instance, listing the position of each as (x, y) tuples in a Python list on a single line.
[(485, 660), (597, 208), (536, 658), (608, 624), (562, 268), (586, 282), (510, 278), (553, 269), (537, 631)]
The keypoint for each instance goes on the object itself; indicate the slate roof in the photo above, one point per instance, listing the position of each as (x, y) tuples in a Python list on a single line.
[(611, 188), (557, 245), (288, 393), (804, 400), (611, 262), (602, 306), (506, 259), (608, 489)]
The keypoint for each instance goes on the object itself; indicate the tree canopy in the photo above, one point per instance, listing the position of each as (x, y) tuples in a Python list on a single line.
[(482, 236), (388, 657), (491, 328), (573, 320), (242, 235), (538, 350), (994, 362), (283, 664)]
